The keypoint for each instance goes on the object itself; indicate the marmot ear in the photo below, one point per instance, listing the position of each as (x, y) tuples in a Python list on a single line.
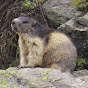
[(34, 23)]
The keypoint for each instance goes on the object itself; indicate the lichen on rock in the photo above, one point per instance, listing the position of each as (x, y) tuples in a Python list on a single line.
[(42, 78)]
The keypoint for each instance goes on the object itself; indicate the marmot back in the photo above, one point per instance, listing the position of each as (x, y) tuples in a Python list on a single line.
[(40, 47)]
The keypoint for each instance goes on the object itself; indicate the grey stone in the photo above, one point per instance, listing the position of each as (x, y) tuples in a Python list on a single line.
[(60, 11), (42, 78), (83, 20), (79, 34), (81, 29), (68, 26)]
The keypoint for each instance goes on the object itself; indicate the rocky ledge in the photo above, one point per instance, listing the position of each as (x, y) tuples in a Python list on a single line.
[(42, 78)]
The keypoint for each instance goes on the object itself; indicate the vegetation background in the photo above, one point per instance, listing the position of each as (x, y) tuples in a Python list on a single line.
[(10, 9)]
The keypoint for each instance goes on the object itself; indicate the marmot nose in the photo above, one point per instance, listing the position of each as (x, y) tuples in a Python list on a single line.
[(13, 25), (13, 22)]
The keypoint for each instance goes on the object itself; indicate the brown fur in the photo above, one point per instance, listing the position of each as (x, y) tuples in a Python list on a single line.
[(47, 49)]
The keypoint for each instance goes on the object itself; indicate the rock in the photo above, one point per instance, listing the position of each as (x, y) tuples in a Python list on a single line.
[(68, 26), (60, 11), (82, 29), (83, 20), (80, 39), (77, 29), (42, 78)]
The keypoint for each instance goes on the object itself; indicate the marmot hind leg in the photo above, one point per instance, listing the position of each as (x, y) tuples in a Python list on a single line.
[(58, 67)]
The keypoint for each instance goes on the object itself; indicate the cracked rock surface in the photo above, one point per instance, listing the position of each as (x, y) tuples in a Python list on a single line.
[(42, 78), (60, 11)]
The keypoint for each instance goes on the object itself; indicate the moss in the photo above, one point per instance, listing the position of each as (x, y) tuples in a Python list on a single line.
[(21, 75), (3, 83), (45, 77), (31, 4), (12, 72), (24, 80), (16, 87), (30, 84), (1, 72), (49, 70), (60, 81), (81, 64), (9, 76), (80, 4)]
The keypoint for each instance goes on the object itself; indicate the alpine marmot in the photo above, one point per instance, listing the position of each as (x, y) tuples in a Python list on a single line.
[(40, 47)]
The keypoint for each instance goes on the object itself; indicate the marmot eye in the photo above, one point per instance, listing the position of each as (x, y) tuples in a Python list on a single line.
[(25, 22)]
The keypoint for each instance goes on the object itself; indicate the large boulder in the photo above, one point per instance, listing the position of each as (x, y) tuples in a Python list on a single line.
[(60, 11), (42, 78)]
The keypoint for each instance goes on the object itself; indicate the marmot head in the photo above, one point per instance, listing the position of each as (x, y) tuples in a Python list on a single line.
[(30, 26), (26, 25)]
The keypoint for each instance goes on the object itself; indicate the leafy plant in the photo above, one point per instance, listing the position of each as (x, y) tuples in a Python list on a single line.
[(81, 64), (80, 4), (31, 3)]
